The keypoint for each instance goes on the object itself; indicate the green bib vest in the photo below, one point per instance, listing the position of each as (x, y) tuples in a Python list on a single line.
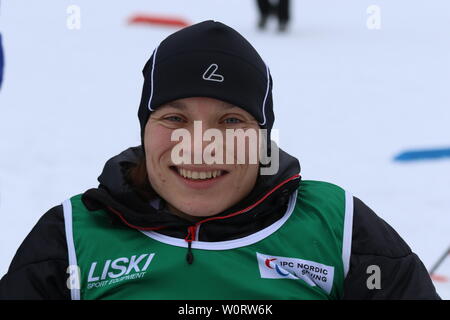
[(303, 255)]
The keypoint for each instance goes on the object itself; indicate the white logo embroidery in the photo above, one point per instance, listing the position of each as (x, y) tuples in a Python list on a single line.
[(211, 75), (313, 273), (118, 270)]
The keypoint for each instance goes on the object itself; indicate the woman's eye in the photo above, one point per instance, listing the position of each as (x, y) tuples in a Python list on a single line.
[(232, 120), (174, 118)]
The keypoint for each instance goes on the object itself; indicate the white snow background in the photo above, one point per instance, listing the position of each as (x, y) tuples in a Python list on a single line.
[(347, 99)]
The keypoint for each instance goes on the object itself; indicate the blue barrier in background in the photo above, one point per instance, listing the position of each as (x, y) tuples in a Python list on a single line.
[(425, 154)]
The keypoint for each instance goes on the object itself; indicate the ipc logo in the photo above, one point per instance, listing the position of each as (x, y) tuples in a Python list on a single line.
[(270, 264)]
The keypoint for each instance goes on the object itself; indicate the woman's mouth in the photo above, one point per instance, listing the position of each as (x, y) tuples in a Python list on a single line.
[(199, 176)]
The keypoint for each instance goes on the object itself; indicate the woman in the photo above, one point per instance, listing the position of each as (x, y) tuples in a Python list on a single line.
[(164, 224)]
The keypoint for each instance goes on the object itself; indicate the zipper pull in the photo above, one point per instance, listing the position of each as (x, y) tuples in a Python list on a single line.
[(190, 237), (189, 255)]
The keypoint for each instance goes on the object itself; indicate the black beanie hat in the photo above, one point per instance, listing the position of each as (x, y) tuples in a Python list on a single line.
[(208, 59)]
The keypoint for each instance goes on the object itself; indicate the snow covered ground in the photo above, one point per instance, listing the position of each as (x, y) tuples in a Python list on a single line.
[(347, 100)]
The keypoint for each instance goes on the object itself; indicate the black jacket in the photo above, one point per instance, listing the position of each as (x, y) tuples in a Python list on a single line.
[(38, 270)]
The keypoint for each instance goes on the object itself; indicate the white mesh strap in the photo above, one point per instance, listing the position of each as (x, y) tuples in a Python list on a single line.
[(347, 234), (73, 266)]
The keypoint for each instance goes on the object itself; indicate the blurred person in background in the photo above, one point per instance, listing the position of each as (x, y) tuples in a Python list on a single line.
[(1, 61), (278, 8)]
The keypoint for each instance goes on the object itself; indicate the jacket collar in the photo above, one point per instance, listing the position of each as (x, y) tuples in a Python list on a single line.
[(266, 203)]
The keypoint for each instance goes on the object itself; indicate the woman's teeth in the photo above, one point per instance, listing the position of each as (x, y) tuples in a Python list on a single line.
[(199, 175)]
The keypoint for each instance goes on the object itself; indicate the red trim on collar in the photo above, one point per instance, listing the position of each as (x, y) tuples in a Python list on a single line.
[(117, 213), (191, 230), (243, 210)]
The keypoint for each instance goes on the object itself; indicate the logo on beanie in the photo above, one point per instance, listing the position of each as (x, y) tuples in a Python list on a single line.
[(211, 75)]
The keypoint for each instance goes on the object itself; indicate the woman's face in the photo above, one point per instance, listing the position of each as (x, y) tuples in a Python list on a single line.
[(198, 190)]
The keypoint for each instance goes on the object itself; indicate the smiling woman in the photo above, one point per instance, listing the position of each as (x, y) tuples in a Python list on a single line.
[(198, 190), (199, 218)]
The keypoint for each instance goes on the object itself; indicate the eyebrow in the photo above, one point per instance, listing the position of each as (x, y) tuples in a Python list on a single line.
[(229, 105), (177, 105)]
